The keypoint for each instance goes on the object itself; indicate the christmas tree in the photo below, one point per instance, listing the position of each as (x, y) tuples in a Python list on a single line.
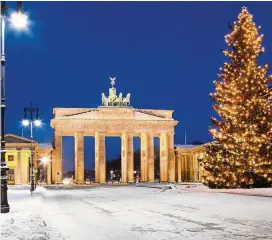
[(241, 151)]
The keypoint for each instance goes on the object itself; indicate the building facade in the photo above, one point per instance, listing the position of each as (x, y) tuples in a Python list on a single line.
[(188, 163), (18, 159)]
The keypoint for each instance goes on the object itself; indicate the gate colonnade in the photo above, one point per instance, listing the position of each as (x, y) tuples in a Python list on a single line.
[(125, 122)]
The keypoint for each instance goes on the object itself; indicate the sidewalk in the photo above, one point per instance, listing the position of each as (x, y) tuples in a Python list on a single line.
[(24, 221)]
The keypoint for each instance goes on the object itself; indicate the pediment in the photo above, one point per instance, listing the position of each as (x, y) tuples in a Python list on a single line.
[(148, 117)]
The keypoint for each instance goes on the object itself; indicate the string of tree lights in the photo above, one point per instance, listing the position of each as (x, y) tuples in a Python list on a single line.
[(241, 153)]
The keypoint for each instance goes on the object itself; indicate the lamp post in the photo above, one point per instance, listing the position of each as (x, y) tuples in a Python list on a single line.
[(29, 120), (19, 20)]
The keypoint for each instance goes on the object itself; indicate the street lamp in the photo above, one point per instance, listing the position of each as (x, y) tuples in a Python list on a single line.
[(30, 121), (4, 196), (18, 19)]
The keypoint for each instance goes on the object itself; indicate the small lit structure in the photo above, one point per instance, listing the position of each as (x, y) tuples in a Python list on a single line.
[(188, 164)]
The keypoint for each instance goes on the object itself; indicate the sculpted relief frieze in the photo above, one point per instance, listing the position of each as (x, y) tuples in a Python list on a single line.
[(115, 115)]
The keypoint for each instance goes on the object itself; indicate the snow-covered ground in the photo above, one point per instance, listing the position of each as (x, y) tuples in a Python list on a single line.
[(129, 212), (261, 192), (24, 222)]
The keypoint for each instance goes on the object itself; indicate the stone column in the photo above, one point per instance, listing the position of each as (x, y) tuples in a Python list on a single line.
[(178, 167), (100, 158), (57, 163), (35, 161), (25, 167), (171, 158), (144, 157), (35, 156), (130, 159), (183, 169), (192, 172), (150, 156), (186, 168), (163, 157), (200, 168), (53, 166), (18, 169), (79, 157), (197, 170), (127, 165), (124, 157), (195, 167), (48, 172)]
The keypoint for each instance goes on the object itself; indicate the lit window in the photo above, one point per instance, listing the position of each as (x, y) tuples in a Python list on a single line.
[(10, 157)]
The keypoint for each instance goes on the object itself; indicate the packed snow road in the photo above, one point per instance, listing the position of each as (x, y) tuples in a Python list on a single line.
[(129, 212)]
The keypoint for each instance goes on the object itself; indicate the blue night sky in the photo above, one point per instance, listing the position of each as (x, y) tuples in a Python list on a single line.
[(166, 54)]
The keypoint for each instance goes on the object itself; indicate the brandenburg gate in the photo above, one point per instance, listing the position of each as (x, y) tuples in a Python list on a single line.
[(116, 118)]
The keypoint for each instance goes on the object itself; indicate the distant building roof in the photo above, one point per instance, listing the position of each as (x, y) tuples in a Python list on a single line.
[(189, 146), (12, 138), (186, 146), (45, 145)]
